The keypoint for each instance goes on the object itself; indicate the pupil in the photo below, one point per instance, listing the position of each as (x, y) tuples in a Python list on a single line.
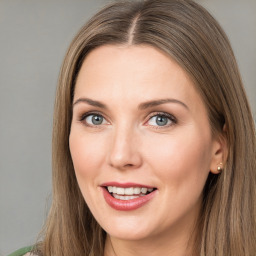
[(161, 120), (97, 120)]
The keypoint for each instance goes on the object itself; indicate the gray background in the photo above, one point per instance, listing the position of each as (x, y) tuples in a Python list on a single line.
[(34, 35)]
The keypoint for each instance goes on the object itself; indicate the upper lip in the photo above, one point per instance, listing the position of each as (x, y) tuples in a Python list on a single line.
[(125, 185)]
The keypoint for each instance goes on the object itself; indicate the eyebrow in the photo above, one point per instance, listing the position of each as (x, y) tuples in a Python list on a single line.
[(142, 106), (153, 103), (91, 102)]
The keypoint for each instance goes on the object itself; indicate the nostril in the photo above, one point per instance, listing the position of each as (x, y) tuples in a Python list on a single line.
[(128, 165)]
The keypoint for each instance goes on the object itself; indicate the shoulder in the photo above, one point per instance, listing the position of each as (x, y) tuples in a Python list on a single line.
[(26, 251)]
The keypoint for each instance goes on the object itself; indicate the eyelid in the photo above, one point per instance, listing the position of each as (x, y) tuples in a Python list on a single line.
[(172, 118), (83, 116)]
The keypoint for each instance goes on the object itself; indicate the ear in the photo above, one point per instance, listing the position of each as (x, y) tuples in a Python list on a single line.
[(219, 152)]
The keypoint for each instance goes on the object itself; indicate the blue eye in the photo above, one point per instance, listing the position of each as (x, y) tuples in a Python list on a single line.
[(158, 120), (94, 119), (161, 120)]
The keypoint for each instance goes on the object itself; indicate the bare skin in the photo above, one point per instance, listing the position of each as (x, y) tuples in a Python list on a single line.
[(167, 145)]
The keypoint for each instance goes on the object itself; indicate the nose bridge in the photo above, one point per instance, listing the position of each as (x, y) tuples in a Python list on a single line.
[(124, 151)]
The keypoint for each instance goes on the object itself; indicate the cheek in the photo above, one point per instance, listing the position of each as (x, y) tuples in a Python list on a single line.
[(181, 165), (87, 154), (183, 159)]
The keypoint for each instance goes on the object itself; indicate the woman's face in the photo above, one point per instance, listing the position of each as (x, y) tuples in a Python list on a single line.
[(141, 142)]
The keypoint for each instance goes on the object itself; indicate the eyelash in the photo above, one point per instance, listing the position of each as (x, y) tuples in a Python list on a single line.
[(170, 117), (155, 114)]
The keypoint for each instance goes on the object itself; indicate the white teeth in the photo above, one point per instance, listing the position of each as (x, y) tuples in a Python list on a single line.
[(124, 197), (136, 191), (144, 190), (120, 191), (128, 191)]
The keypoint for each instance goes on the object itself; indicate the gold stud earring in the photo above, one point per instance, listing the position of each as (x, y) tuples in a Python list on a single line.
[(220, 168)]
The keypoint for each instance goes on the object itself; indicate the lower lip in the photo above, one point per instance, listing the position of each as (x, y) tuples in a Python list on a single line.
[(127, 205)]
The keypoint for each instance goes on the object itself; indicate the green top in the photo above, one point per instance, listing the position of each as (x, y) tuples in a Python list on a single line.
[(22, 251)]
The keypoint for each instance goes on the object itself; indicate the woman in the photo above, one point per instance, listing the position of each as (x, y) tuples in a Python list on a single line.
[(153, 141)]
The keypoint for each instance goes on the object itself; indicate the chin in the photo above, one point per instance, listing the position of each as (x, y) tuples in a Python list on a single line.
[(131, 228), (128, 234)]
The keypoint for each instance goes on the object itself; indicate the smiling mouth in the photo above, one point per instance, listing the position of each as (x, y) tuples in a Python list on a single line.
[(128, 193)]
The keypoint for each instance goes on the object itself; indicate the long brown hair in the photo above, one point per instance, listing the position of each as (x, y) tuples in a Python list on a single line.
[(192, 37)]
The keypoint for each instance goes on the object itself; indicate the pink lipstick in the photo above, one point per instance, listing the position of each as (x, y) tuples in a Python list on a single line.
[(127, 196)]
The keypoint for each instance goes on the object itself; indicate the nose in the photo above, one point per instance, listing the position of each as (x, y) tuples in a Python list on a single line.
[(124, 151)]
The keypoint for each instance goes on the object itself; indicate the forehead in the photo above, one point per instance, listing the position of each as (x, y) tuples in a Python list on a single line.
[(140, 73)]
